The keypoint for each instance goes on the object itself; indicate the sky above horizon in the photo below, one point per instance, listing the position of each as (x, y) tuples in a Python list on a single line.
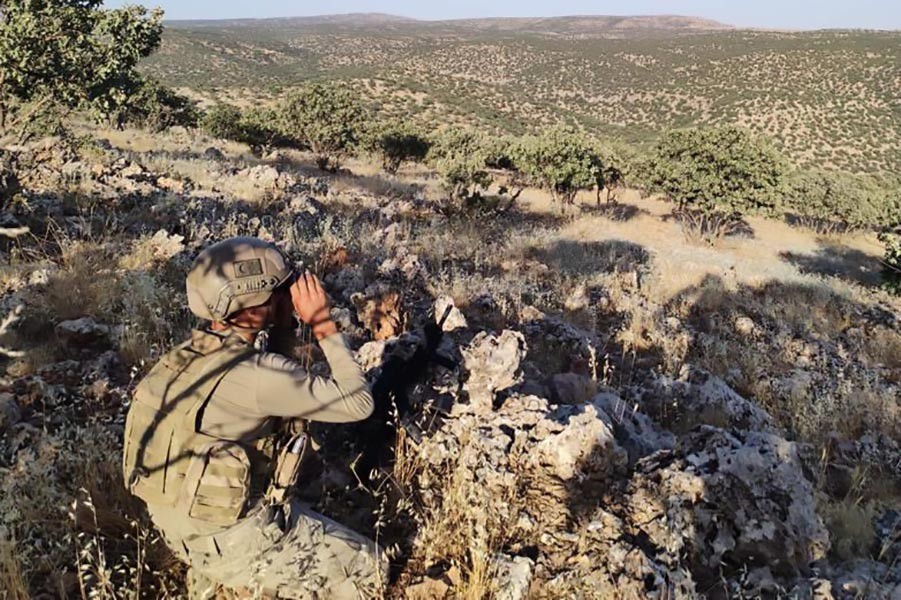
[(787, 14)]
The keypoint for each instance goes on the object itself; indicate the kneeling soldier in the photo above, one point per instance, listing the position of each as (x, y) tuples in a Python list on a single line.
[(202, 443)]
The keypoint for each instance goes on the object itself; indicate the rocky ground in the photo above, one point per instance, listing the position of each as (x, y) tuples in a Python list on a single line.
[(595, 438)]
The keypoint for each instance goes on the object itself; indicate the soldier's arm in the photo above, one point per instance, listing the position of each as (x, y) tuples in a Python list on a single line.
[(285, 389)]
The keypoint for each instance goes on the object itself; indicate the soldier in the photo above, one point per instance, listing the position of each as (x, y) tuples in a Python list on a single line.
[(202, 443)]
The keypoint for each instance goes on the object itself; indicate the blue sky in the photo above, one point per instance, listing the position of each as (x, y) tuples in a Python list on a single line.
[(795, 14)]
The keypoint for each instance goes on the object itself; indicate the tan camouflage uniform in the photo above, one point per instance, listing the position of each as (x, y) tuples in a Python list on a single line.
[(273, 548)]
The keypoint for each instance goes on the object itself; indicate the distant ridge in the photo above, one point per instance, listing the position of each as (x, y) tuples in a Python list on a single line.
[(577, 24), (343, 20)]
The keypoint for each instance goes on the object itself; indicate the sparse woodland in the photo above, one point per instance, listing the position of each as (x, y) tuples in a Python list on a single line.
[(673, 261)]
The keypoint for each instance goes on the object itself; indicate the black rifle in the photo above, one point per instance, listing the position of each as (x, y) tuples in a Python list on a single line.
[(390, 393)]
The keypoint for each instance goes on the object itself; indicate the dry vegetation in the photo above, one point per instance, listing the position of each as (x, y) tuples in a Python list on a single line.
[(778, 317)]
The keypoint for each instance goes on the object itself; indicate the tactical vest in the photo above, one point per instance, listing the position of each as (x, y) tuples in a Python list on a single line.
[(167, 461)]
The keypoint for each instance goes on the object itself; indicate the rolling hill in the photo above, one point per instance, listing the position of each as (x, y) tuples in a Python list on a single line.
[(828, 98)]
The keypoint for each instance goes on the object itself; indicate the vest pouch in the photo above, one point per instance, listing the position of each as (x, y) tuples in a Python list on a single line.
[(217, 483), (148, 464)]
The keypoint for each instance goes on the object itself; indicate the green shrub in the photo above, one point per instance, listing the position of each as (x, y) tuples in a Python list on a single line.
[(717, 170), (394, 143), (73, 52), (324, 118), (223, 121), (260, 129), (459, 157), (156, 107), (561, 161), (831, 202), (891, 269)]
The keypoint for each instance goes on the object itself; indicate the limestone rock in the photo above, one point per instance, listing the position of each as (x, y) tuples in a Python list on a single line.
[(722, 499), (455, 319), (701, 398), (513, 575), (575, 440), (380, 310), (84, 333), (634, 430), (493, 363), (745, 326), (578, 299), (165, 246)]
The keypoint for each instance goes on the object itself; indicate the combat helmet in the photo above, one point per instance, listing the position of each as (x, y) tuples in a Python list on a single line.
[(235, 274)]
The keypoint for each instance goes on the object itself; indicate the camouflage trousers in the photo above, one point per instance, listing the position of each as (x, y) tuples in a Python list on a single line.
[(288, 551)]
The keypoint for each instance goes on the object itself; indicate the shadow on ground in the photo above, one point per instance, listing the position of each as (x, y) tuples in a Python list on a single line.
[(841, 262), (619, 213)]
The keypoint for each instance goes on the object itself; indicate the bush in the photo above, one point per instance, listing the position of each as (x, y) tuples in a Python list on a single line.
[(223, 121), (891, 270), (156, 107), (560, 161), (833, 202), (717, 170), (459, 157), (395, 143), (326, 119), (619, 167), (259, 128)]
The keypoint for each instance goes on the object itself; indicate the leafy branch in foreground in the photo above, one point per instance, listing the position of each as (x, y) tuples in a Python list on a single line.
[(71, 53)]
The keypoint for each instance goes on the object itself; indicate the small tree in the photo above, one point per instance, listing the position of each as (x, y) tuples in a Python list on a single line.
[(223, 121), (501, 154), (324, 118), (71, 52), (560, 161), (122, 38), (459, 157), (260, 128), (156, 107), (394, 143), (617, 163), (833, 202), (716, 176), (713, 170)]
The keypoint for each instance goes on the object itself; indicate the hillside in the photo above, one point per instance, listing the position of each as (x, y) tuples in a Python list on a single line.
[(610, 363), (625, 414), (546, 25), (827, 98)]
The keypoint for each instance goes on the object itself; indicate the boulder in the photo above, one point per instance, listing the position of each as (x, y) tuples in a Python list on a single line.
[(745, 326), (572, 388), (513, 575), (634, 430), (455, 319), (574, 441), (165, 245), (213, 153), (493, 364), (84, 333), (720, 499), (700, 398)]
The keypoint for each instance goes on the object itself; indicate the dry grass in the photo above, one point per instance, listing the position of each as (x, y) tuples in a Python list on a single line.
[(665, 301), (12, 578)]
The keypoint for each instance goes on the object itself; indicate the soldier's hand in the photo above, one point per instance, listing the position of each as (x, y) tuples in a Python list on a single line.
[(311, 305)]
